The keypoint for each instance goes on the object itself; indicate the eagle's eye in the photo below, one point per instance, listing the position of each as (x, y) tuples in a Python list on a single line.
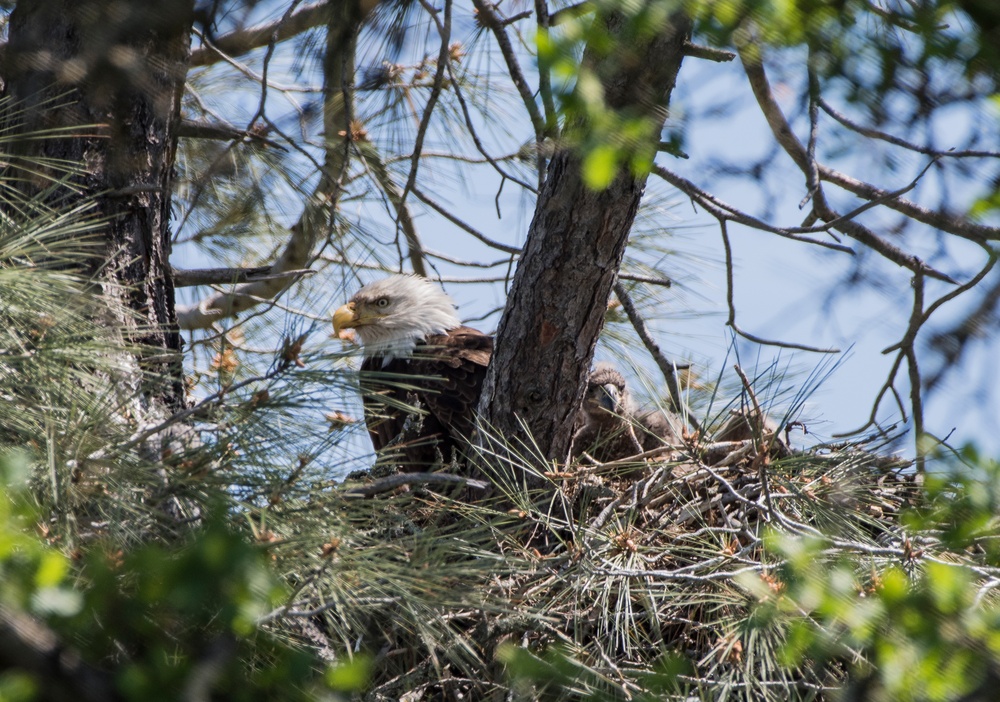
[(382, 302)]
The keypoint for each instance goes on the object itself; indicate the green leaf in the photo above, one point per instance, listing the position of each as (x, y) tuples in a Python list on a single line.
[(52, 569), (16, 686), (600, 167), (349, 676)]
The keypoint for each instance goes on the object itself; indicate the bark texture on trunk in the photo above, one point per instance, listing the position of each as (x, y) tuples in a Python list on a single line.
[(114, 71), (555, 312)]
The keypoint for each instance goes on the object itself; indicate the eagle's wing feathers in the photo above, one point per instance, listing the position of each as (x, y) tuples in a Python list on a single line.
[(444, 378), (457, 361)]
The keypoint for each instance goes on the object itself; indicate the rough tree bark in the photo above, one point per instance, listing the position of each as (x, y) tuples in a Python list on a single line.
[(115, 71), (555, 311)]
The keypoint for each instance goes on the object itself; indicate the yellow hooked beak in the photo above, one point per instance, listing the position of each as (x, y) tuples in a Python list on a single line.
[(344, 318)]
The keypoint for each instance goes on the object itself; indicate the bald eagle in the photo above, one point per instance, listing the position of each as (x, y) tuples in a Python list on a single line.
[(422, 371), (610, 426)]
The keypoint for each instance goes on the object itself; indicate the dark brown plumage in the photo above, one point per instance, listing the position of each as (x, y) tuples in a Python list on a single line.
[(659, 428), (426, 403), (609, 427), (745, 425)]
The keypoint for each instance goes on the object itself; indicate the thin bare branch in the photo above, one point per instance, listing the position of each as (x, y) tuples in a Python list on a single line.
[(951, 342), (667, 368), (243, 41), (887, 387), (731, 322), (371, 157), (258, 77), (650, 280), (782, 131), (272, 42), (517, 18), (393, 482), (184, 278), (475, 136), (443, 211), (873, 133), (489, 19), (812, 175), (467, 263), (949, 222), (946, 221), (709, 53), (721, 209), (836, 221), (909, 350), (207, 130), (444, 31), (965, 287)]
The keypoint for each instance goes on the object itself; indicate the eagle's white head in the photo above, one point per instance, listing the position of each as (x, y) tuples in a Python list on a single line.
[(391, 315)]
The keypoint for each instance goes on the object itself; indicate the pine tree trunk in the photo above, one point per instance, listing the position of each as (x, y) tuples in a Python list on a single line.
[(114, 71), (555, 311)]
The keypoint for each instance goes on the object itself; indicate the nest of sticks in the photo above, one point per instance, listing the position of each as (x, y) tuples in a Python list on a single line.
[(616, 566)]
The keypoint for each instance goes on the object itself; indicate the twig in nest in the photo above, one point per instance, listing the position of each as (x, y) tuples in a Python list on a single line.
[(763, 452), (394, 481)]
